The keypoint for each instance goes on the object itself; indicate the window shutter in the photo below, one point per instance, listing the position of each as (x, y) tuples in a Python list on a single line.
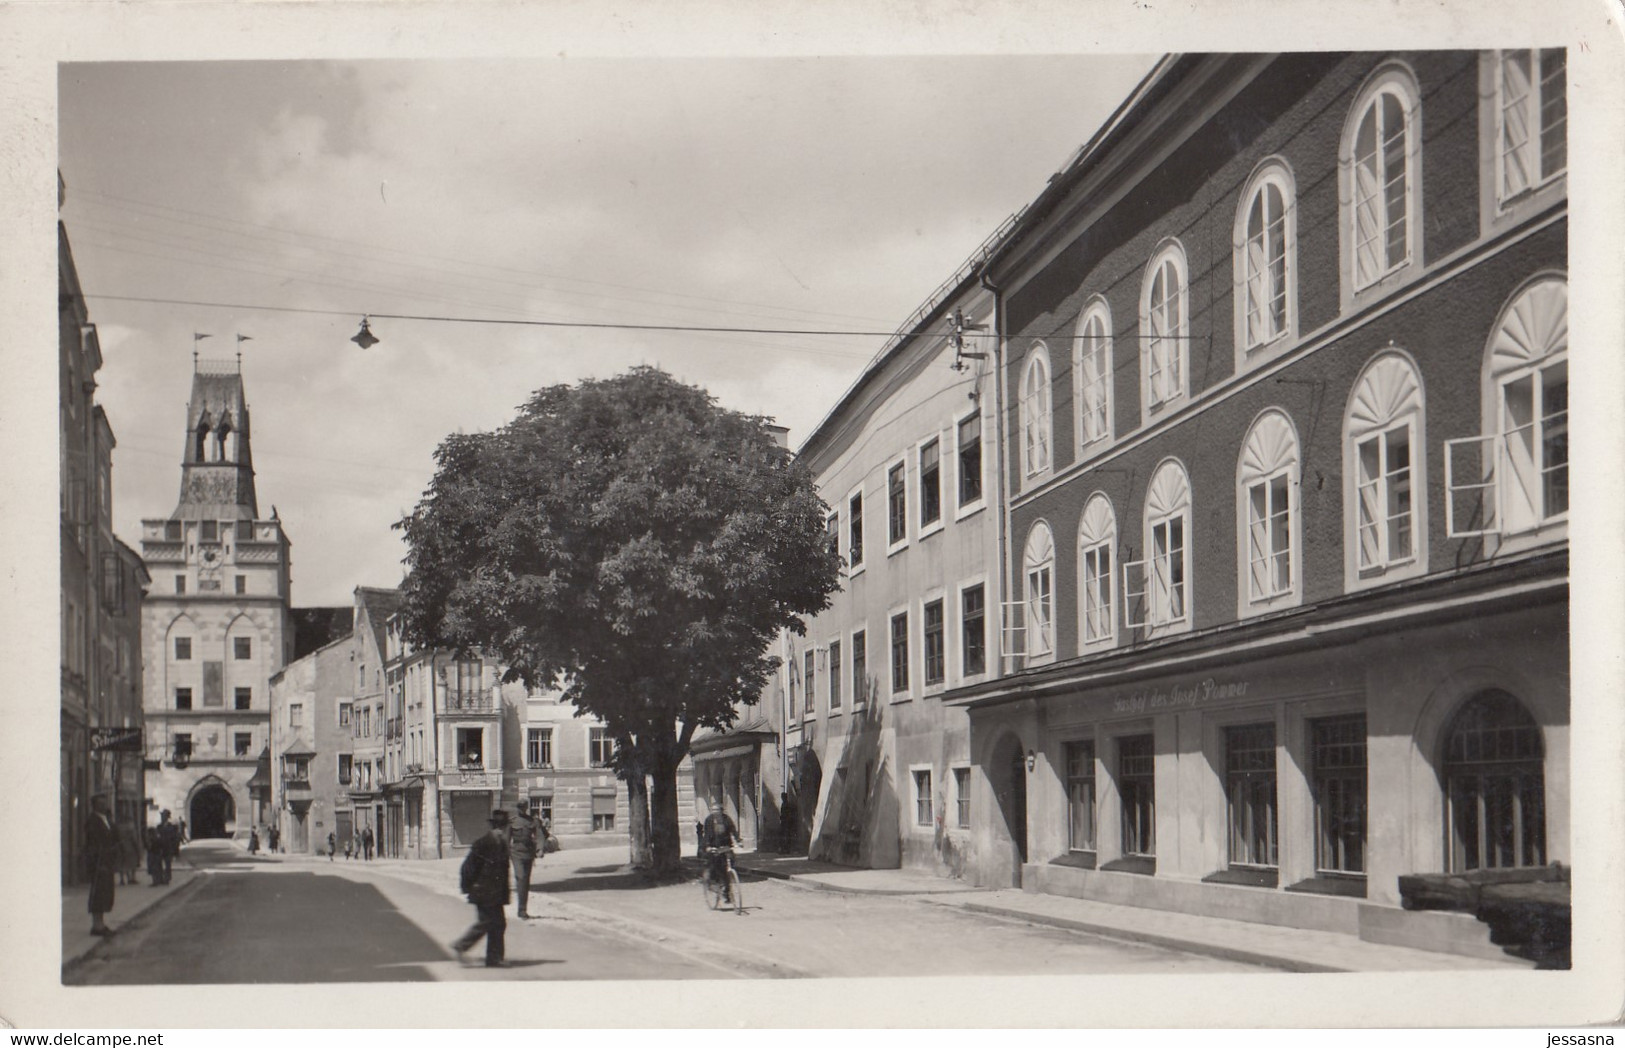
[(1470, 487)]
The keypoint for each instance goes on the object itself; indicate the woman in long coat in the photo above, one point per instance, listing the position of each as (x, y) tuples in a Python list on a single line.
[(101, 860)]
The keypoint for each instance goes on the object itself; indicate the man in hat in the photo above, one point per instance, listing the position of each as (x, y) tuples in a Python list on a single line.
[(484, 880), (524, 839), (169, 845), (101, 858)]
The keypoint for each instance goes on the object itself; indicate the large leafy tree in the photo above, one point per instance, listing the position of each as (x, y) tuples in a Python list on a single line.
[(637, 545)]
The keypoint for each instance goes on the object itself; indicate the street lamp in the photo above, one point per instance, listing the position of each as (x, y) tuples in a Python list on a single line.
[(365, 338)]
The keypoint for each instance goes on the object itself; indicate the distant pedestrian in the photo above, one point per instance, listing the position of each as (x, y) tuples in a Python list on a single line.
[(129, 852), (525, 835), (332, 846), (274, 835), (184, 837), (366, 842), (253, 842), (348, 849), (101, 860), (155, 860), (169, 846), (788, 828), (484, 879)]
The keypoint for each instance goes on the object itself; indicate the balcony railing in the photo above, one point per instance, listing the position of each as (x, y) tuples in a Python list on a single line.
[(475, 703)]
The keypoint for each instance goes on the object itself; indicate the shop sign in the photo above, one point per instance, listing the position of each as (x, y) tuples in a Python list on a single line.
[(119, 740), (472, 780), (1177, 696)]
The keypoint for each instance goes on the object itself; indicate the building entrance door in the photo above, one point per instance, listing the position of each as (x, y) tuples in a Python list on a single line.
[(212, 813), (1010, 788)]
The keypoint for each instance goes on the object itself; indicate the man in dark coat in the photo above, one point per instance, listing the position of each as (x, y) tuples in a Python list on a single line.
[(169, 845), (101, 861), (485, 882), (524, 838)]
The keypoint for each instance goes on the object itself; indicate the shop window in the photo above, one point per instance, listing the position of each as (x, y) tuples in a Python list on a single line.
[(854, 525), (1097, 553), (1156, 591), (1165, 327), (1036, 421), (930, 483), (600, 748), (962, 797), (936, 655), (897, 505), (1381, 159), (899, 653), (1267, 488), (1514, 478), (538, 747), (973, 629), (1080, 796), (969, 435), (1092, 375), (860, 669), (923, 814), (1495, 785), (835, 669), (1338, 758), (1038, 569), (1532, 120), (1383, 455), (1265, 263), (1250, 794), (1136, 785)]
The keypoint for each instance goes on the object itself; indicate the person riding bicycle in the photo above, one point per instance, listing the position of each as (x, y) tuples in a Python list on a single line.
[(717, 834)]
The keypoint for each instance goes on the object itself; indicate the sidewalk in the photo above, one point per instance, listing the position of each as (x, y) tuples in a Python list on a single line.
[(129, 902), (1287, 949)]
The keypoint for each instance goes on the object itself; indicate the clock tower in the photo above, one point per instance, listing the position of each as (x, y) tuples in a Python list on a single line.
[(216, 624)]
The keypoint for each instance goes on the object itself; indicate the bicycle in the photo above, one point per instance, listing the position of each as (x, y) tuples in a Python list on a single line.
[(718, 890)]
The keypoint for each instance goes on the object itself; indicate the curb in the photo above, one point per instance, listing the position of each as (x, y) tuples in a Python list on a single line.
[(193, 883), (810, 882), (1175, 942)]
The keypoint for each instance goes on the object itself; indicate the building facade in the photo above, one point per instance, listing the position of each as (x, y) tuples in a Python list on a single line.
[(1286, 350), (312, 750), (215, 626)]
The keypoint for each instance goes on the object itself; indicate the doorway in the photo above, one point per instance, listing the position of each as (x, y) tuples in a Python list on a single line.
[(212, 813), (1010, 790)]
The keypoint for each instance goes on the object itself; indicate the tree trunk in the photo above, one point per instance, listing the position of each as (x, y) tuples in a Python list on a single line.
[(664, 833), (637, 813)]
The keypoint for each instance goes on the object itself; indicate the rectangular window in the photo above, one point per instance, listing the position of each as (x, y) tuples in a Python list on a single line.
[(470, 748), (936, 656), (962, 797), (240, 743), (243, 698), (245, 531), (538, 747), (600, 748), (183, 649), (344, 714), (896, 504), (180, 584), (1136, 782), (923, 815), (899, 652), (1535, 446), (793, 684), (183, 698), (366, 722), (1168, 571), (209, 531), (832, 533), (1080, 795), (973, 626), (1338, 759), (183, 747), (241, 584), (930, 483), (834, 675), (1097, 593), (603, 823), (1533, 118), (296, 714), (1383, 498), (172, 531), (854, 526), (970, 460), (1250, 793), (346, 768), (242, 647), (1269, 539), (860, 668), (809, 677)]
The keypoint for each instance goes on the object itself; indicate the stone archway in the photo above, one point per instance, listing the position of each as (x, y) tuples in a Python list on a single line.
[(211, 813)]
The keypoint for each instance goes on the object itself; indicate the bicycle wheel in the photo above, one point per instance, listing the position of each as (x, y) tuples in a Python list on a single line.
[(709, 889), (733, 886)]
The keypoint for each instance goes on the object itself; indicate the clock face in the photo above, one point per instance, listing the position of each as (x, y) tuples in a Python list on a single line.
[(211, 557)]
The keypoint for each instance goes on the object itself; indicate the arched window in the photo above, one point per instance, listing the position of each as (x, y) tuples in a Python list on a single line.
[(226, 450), (1495, 785), (1165, 329), (1266, 251), (1092, 373), (1267, 495), (1382, 178), (1097, 553), (1035, 413), (1384, 468), (1157, 590), (202, 450), (1038, 568)]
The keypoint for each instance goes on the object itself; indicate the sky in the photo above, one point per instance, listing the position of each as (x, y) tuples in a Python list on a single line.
[(831, 194)]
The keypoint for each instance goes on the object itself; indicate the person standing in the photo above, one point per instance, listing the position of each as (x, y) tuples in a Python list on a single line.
[(332, 846), (129, 852), (366, 843), (788, 830), (101, 860), (525, 835), (169, 846), (274, 835), (484, 879)]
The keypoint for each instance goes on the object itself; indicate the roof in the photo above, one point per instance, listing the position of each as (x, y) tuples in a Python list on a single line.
[(379, 604)]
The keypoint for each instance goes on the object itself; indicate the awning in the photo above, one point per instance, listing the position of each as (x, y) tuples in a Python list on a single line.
[(739, 750)]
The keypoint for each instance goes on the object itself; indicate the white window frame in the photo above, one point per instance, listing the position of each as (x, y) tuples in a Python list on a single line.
[(1097, 531), (835, 653), (1093, 397), (932, 596), (990, 652), (1270, 453), (932, 527), (1533, 105), (1529, 340), (1037, 413), (892, 691), (854, 570), (1497, 211), (1396, 79), (1250, 349), (809, 683), (901, 462), (860, 689), (1158, 335), (1167, 501), (915, 826), (964, 796), (979, 503), (1387, 395), (1038, 562), (544, 733)]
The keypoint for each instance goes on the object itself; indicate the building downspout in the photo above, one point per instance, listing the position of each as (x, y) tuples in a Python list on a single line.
[(999, 437)]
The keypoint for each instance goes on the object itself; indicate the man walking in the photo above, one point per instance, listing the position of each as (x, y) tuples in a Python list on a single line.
[(484, 879), (366, 843), (101, 859), (169, 846), (524, 839)]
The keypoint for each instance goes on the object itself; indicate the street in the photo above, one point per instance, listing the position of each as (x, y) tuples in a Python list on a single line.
[(304, 920)]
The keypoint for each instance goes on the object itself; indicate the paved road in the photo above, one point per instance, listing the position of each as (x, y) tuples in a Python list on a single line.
[(309, 921)]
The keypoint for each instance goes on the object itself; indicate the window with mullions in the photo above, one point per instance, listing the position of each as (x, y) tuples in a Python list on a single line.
[(1097, 539), (1136, 785), (1338, 759), (538, 747), (936, 656), (923, 814), (1156, 591), (1268, 490), (832, 534), (1249, 775), (897, 504), (835, 668), (1080, 796), (1265, 257), (809, 677), (1036, 421), (962, 797), (1532, 119), (899, 652), (1383, 458), (600, 748), (854, 526), (930, 482), (1092, 370), (1383, 495), (1381, 158), (973, 627), (1495, 785), (1165, 329), (970, 460), (860, 668), (1038, 568)]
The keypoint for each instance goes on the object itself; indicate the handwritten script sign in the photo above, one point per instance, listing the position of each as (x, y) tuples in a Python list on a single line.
[(1176, 696)]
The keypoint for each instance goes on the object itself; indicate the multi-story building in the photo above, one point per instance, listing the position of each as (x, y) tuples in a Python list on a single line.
[(312, 749), (371, 723), (1286, 348), (215, 626), (103, 585)]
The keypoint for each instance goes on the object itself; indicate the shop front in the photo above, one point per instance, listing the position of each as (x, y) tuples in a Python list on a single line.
[(728, 770), (467, 800)]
